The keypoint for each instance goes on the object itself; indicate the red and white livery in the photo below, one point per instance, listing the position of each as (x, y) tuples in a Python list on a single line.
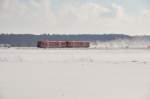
[(63, 44)]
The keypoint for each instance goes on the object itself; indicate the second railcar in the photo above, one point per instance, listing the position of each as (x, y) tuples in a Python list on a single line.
[(78, 44)]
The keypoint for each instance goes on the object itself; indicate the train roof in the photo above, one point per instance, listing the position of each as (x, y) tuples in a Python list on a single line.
[(61, 41)]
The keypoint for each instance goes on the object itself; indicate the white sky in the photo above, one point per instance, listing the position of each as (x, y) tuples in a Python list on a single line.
[(75, 16)]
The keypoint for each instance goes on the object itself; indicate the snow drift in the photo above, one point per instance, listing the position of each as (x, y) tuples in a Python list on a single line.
[(74, 74)]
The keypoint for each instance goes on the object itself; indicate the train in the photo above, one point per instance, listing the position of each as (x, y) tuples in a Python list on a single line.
[(62, 44)]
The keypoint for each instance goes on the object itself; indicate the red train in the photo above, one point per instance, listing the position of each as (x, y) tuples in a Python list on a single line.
[(63, 44)]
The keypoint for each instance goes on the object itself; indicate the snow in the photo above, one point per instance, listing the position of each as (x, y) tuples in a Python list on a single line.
[(74, 73), (122, 44)]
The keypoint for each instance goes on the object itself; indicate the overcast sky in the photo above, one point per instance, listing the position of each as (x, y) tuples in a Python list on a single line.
[(75, 16)]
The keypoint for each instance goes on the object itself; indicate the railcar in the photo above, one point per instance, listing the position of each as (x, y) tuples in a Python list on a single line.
[(77, 44), (62, 44)]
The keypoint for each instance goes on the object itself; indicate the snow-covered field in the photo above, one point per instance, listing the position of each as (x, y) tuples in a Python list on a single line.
[(74, 73)]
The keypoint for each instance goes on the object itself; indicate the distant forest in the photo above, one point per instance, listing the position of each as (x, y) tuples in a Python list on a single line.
[(30, 40)]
